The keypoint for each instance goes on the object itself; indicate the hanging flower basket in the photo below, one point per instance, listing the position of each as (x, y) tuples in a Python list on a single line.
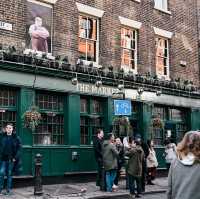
[(121, 126), (32, 118), (157, 123)]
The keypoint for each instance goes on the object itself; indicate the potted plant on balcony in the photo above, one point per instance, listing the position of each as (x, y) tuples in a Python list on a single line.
[(32, 118)]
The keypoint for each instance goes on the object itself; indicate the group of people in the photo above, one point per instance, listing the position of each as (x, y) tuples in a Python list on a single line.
[(140, 161), (139, 158)]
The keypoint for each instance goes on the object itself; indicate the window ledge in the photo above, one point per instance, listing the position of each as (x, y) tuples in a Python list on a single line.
[(137, 1), (163, 77), (165, 11)]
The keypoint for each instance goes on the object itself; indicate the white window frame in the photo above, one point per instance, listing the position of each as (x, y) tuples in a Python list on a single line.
[(124, 67), (93, 13), (166, 77), (160, 33), (97, 40), (161, 5)]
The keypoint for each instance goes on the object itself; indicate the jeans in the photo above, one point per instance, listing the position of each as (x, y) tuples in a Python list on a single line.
[(132, 180), (6, 169), (110, 177)]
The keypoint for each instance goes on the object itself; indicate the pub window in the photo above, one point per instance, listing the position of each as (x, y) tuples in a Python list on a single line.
[(157, 132), (51, 128), (176, 114), (160, 111), (129, 49), (8, 106), (158, 136), (181, 129), (162, 58), (91, 118), (88, 38)]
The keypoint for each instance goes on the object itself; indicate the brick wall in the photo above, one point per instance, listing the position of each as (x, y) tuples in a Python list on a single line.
[(182, 22)]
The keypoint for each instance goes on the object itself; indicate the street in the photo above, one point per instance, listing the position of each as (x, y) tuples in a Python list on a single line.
[(148, 196), (155, 196)]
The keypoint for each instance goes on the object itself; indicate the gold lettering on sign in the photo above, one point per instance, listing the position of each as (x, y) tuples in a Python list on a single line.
[(92, 89)]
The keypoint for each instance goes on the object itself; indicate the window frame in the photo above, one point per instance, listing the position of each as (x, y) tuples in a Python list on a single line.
[(167, 76), (9, 109), (50, 112), (97, 37), (164, 8), (89, 115), (129, 68)]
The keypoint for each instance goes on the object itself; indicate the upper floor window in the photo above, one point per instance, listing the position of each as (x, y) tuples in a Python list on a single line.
[(161, 4), (162, 57), (129, 49), (88, 38)]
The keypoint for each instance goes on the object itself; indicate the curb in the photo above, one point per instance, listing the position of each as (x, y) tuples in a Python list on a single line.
[(124, 194)]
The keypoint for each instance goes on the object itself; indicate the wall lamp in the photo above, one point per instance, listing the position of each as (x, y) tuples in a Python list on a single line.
[(158, 93), (98, 83), (74, 80), (140, 90)]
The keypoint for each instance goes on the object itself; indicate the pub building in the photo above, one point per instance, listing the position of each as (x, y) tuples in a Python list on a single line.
[(75, 96)]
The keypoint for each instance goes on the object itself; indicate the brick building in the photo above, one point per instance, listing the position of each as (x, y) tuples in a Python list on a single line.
[(155, 42)]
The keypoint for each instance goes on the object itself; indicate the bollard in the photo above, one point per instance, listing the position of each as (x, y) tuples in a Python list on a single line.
[(38, 175)]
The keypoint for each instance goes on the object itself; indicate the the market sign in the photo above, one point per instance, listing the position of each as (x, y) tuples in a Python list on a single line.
[(93, 89)]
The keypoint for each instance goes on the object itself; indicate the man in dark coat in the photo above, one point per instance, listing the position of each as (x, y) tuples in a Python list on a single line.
[(97, 144), (134, 168), (10, 146), (110, 156)]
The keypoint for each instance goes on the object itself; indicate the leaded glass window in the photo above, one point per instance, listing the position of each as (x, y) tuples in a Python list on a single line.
[(91, 118), (8, 106), (51, 128)]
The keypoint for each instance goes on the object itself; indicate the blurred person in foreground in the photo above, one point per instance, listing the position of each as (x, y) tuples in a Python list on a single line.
[(184, 173)]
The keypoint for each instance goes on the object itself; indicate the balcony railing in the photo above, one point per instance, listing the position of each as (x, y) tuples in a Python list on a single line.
[(42, 63)]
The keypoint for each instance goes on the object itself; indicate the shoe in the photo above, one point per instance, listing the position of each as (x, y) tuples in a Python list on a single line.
[(131, 196), (9, 193), (114, 186), (138, 196)]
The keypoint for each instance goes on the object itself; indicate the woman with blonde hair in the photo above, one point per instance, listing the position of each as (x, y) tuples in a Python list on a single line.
[(184, 173)]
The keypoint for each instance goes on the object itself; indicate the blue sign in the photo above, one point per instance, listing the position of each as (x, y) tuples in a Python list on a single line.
[(122, 107)]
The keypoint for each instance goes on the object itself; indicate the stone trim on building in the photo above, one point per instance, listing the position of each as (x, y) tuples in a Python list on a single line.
[(163, 33), (130, 22), (89, 10)]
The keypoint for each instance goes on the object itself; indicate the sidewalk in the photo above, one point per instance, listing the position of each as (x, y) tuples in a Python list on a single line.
[(81, 191)]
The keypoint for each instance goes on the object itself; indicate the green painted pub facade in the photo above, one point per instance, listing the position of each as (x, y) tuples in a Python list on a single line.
[(72, 113)]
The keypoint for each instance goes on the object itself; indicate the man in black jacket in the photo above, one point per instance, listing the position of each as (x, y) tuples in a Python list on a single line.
[(9, 154), (97, 144)]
